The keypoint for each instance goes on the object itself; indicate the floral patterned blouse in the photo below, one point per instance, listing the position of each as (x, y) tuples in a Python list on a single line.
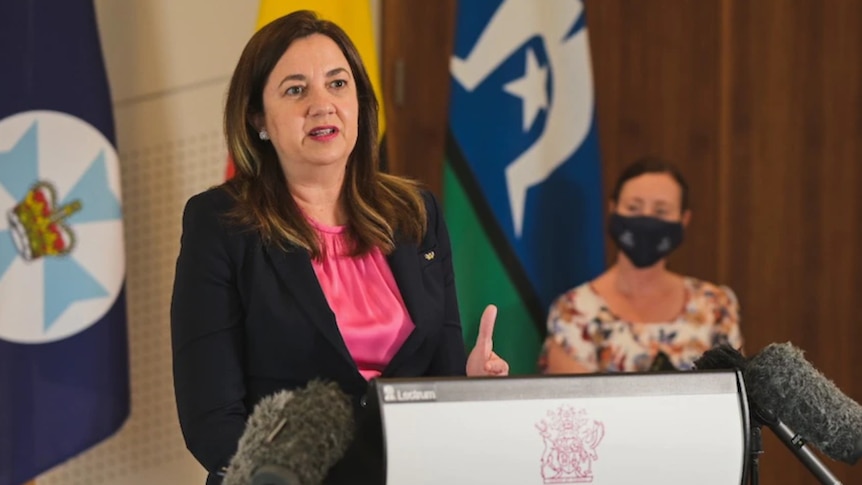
[(581, 322)]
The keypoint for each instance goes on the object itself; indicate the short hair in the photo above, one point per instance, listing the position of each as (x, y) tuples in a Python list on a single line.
[(650, 164)]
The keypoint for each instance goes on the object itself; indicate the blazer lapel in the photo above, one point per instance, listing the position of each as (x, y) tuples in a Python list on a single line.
[(295, 271), (407, 270)]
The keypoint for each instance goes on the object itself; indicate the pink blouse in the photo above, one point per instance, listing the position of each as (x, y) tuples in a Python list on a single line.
[(362, 293)]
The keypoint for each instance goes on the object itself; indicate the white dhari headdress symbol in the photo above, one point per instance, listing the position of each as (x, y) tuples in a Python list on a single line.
[(569, 115)]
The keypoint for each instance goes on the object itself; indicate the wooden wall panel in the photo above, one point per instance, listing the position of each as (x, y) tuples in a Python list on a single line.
[(656, 66), (794, 155), (417, 41)]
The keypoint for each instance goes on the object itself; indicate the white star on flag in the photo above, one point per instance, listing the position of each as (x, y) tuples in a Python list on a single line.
[(531, 88)]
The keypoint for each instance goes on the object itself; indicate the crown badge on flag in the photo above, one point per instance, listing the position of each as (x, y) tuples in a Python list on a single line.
[(38, 228), (62, 263)]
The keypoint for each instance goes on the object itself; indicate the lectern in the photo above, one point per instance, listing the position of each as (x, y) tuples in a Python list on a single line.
[(653, 428)]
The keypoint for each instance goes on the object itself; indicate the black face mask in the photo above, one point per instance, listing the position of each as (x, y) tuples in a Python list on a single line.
[(645, 240)]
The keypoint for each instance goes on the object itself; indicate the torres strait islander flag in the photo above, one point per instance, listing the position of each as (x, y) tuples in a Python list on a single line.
[(522, 185), (64, 377)]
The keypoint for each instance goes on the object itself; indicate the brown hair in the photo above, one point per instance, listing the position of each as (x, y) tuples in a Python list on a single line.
[(651, 164), (377, 205)]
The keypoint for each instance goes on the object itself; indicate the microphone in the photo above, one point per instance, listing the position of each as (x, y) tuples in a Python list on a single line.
[(293, 437), (662, 362), (723, 357), (780, 368), (780, 379)]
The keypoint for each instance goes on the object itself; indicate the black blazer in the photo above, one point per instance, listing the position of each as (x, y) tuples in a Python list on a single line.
[(248, 320)]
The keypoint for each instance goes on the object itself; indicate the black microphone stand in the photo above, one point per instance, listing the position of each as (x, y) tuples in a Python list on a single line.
[(756, 450), (792, 440)]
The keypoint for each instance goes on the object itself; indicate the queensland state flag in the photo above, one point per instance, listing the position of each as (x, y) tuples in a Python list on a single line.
[(64, 378), (353, 16), (522, 188)]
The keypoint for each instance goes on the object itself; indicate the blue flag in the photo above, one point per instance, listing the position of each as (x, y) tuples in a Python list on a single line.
[(64, 378), (523, 187)]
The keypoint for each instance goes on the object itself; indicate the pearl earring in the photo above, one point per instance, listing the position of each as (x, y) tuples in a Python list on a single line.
[(263, 135)]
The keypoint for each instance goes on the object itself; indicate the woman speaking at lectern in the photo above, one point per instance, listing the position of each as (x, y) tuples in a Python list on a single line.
[(310, 263)]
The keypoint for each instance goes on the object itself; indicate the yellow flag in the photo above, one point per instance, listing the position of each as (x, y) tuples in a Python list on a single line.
[(354, 16)]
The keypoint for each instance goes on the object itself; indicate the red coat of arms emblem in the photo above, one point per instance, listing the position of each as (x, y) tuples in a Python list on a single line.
[(571, 439)]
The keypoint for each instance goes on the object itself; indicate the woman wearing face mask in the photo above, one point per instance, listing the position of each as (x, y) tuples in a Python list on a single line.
[(638, 315)]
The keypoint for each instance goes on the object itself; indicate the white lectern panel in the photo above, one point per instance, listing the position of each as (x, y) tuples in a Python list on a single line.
[(676, 428)]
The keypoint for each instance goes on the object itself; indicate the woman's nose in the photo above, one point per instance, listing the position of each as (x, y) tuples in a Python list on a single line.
[(320, 105), (321, 109)]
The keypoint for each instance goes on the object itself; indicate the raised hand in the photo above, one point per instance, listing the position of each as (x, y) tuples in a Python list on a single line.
[(482, 360)]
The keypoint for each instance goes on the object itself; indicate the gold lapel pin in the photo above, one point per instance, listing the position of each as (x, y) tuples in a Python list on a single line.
[(429, 255)]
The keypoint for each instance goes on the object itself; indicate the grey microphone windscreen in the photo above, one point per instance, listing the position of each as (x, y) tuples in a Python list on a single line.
[(780, 379), (300, 434)]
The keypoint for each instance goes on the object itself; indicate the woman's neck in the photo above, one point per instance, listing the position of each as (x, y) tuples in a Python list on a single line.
[(320, 201), (317, 190)]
